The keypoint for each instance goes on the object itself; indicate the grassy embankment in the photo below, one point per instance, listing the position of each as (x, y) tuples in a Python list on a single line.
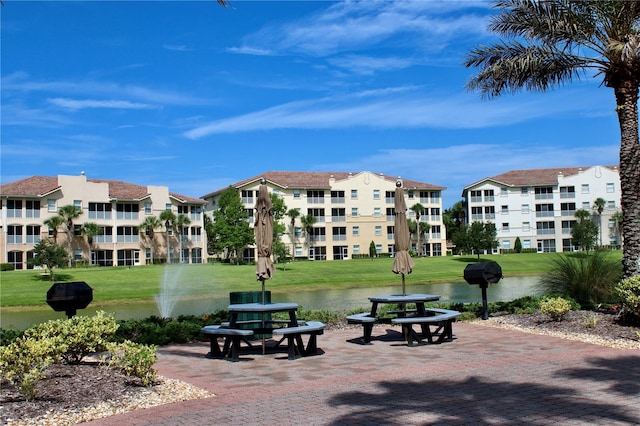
[(135, 284)]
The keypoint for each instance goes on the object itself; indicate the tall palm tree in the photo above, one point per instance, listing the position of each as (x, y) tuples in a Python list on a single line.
[(180, 222), (418, 208), (90, 230), (598, 205), (548, 43), (169, 218), (307, 224), (149, 226), (69, 213), (54, 222), (293, 215)]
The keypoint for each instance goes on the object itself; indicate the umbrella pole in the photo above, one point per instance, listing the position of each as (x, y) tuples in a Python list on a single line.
[(263, 338), (404, 292)]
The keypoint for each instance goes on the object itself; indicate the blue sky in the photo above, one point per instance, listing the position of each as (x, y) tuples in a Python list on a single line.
[(195, 96)]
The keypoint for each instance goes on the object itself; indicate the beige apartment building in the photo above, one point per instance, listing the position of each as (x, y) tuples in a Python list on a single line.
[(539, 205), (351, 210), (118, 208)]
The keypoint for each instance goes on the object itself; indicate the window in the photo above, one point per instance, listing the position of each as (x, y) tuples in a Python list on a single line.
[(196, 234), (99, 211), (391, 214), (526, 226), (585, 188), (506, 244), (14, 234), (524, 191), (525, 208), (339, 233), (128, 211), (246, 196), (567, 192), (147, 208), (436, 231), (476, 196), (298, 251), (505, 226), (127, 234), (183, 210), (504, 192), (354, 211), (611, 187), (567, 209), (504, 209), (337, 197), (376, 194), (434, 197), (378, 248), (296, 193), (356, 249), (376, 212), (297, 232), (490, 212), (476, 213), (410, 194), (338, 215), (318, 234), (488, 195), (317, 213), (77, 204), (586, 205), (33, 234), (435, 213), (14, 208), (567, 225), (77, 254), (378, 230), (33, 208), (544, 210), (105, 235), (77, 230), (196, 213), (611, 205), (355, 231), (389, 196), (545, 228), (544, 193), (354, 194), (51, 205), (168, 207), (315, 197), (196, 255), (390, 232)]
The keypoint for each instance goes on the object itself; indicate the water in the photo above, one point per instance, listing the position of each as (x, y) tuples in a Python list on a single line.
[(507, 289), (169, 291)]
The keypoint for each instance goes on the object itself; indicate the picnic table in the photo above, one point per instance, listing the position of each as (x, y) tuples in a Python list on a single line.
[(407, 318)]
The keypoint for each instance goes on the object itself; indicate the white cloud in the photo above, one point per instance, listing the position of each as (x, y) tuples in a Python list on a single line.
[(74, 104)]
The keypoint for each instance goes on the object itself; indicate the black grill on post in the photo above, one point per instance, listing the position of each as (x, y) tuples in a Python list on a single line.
[(69, 297), (483, 274)]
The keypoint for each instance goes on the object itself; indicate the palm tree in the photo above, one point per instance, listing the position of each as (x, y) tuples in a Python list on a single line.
[(418, 208), (180, 222), (149, 226), (548, 43), (69, 213), (307, 223), (90, 230), (617, 220), (54, 222), (423, 228), (293, 214), (169, 218), (598, 205)]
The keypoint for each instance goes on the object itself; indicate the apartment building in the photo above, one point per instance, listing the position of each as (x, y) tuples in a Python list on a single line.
[(539, 205), (351, 210), (116, 207)]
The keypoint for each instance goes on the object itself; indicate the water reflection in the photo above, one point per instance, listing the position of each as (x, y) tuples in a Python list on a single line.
[(507, 289)]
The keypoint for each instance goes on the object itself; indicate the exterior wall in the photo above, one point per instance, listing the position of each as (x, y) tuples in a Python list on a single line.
[(128, 247), (517, 215), (365, 216)]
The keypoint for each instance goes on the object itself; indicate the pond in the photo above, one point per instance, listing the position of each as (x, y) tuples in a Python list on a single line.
[(507, 289)]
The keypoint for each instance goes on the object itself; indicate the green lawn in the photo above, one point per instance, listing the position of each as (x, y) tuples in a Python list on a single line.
[(141, 283)]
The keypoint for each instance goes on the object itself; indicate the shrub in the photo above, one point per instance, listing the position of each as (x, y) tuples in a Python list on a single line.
[(23, 362), (589, 279), (555, 307), (7, 267), (133, 359), (628, 290), (78, 336), (9, 335)]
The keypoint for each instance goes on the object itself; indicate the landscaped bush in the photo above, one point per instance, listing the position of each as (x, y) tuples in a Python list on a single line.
[(589, 279), (78, 336), (628, 290), (555, 307), (7, 267), (133, 360), (9, 335)]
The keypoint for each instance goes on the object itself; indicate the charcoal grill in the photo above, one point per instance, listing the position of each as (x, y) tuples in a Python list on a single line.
[(69, 297), (483, 274)]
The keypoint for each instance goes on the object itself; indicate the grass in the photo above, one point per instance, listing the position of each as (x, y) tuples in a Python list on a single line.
[(116, 285)]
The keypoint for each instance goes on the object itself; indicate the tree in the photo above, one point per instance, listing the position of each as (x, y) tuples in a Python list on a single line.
[(69, 213), (179, 224), (585, 232), (476, 237), (50, 255), (90, 230), (418, 209), (231, 231), (293, 215), (54, 222), (169, 218), (149, 226), (617, 220), (211, 238), (518, 245), (307, 224), (598, 205), (278, 210), (372, 249), (546, 44)]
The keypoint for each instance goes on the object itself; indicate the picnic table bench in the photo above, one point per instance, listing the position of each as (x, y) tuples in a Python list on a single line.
[(232, 338), (295, 344), (441, 318)]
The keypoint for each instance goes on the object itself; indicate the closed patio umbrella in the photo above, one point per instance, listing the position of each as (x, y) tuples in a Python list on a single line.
[(263, 231), (402, 262)]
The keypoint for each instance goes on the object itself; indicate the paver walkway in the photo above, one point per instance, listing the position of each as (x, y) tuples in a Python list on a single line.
[(485, 376)]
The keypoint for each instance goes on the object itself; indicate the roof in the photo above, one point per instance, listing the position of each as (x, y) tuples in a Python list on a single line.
[(38, 186), (533, 177), (317, 180)]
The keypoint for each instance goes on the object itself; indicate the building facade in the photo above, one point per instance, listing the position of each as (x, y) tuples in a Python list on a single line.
[(539, 205), (350, 209), (118, 208)]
